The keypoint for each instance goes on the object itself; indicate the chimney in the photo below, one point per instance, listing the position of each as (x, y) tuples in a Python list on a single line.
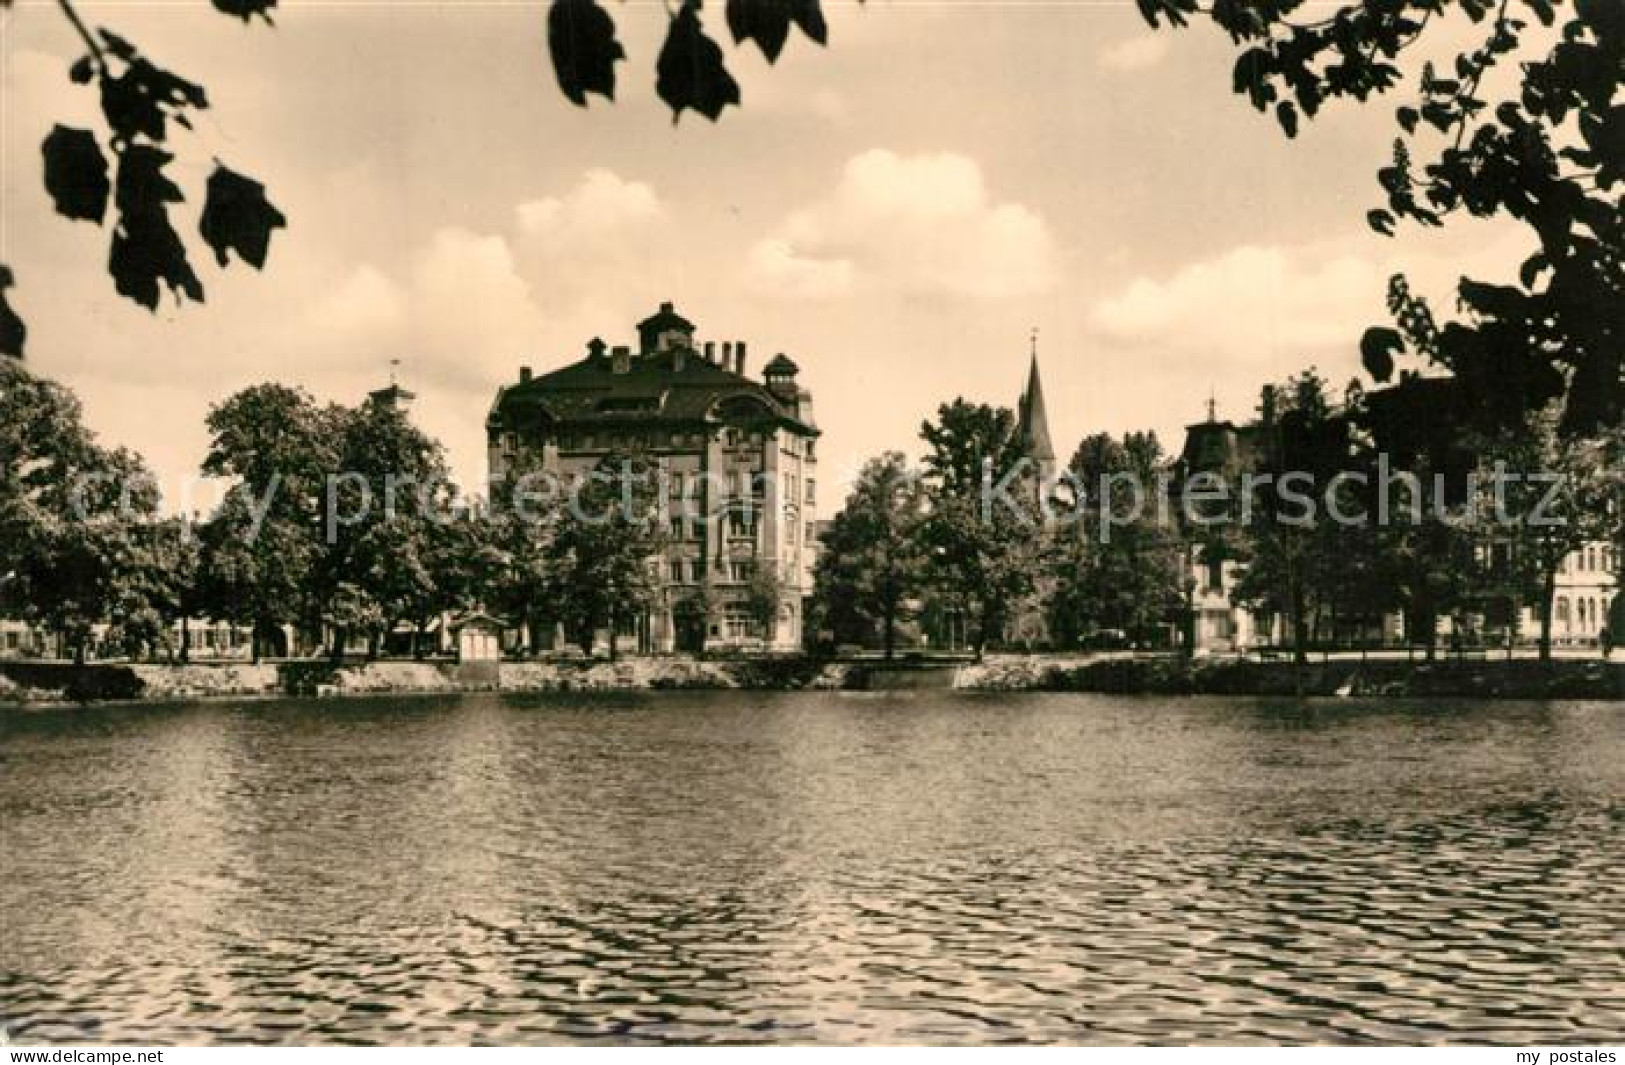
[(739, 357), (679, 358), (595, 348), (524, 374), (711, 351), (621, 359), (727, 362)]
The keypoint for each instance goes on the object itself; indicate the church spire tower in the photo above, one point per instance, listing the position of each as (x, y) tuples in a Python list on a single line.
[(1032, 423)]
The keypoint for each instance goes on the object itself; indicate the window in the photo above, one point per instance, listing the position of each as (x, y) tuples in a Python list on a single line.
[(1215, 575), (675, 570), (812, 494), (742, 571), (13, 641), (738, 624), (742, 522), (676, 528), (1561, 611), (696, 570)]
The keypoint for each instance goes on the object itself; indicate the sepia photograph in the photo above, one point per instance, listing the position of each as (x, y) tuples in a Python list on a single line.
[(811, 523)]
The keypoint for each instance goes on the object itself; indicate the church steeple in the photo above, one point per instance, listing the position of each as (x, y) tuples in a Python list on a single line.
[(1032, 423)]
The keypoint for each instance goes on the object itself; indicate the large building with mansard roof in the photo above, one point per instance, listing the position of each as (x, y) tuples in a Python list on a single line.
[(741, 450)]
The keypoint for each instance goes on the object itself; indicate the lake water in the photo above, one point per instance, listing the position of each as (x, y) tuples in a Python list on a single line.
[(813, 867)]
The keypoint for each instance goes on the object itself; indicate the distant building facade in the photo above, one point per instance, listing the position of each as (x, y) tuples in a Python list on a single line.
[(740, 456), (1217, 625), (1583, 594)]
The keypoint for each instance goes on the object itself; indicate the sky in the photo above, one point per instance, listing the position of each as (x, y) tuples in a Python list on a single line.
[(897, 212)]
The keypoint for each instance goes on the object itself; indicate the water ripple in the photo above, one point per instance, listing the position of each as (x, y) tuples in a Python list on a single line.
[(814, 869)]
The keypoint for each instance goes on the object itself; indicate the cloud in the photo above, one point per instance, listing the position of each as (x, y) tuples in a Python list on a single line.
[(364, 304), (470, 303), (1257, 305), (1135, 53), (1249, 306), (602, 203), (918, 224), (777, 267)]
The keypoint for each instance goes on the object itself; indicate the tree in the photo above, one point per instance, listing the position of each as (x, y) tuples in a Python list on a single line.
[(984, 530), (384, 509), (602, 553), (1292, 540), (523, 524), (1119, 569), (872, 567), (42, 440), (1543, 150), (262, 547), (72, 513), (1553, 505), (72, 569), (764, 595), (422, 566), (159, 589)]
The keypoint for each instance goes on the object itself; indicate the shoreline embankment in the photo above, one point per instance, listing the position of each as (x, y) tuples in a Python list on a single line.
[(25, 683)]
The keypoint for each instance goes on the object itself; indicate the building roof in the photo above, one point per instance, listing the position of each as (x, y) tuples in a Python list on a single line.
[(666, 318), (652, 389), (1032, 423), (781, 364)]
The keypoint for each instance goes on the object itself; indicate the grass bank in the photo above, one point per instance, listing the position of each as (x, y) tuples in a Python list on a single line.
[(54, 683), (1471, 678)]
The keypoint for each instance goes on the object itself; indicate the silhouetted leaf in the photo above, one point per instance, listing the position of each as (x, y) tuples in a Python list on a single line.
[(1377, 350), (237, 217), (1251, 76), (13, 333), (83, 69), (690, 73), (1531, 269), (146, 250), (246, 9), (581, 39), (143, 187), (1287, 115), (117, 45), (1381, 221), (138, 100), (767, 22), (76, 174), (808, 15)]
